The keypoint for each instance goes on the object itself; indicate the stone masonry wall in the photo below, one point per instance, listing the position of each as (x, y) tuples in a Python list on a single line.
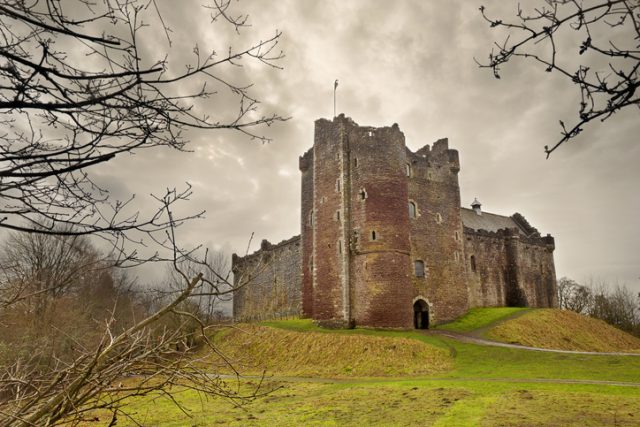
[(510, 269), (487, 274), (354, 262), (271, 280), (537, 272), (380, 261), (306, 227), (436, 232), (329, 303)]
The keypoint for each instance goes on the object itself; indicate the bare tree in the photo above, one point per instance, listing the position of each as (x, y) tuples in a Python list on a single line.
[(573, 296), (616, 305), (606, 61), (78, 88)]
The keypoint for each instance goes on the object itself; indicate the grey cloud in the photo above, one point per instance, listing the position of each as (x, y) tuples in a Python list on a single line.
[(410, 62)]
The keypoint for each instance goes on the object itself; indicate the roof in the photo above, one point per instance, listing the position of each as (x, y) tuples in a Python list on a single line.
[(487, 221)]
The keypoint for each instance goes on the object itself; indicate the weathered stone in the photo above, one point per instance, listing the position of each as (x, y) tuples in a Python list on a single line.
[(370, 210)]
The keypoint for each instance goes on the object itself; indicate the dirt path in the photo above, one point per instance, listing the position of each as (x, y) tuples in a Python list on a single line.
[(479, 333), (414, 379), (472, 338)]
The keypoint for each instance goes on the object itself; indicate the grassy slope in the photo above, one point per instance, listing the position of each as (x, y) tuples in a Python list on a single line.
[(469, 360), (565, 330), (488, 386), (478, 318), (255, 348)]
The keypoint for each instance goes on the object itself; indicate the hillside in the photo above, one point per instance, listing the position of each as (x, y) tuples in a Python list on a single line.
[(254, 348), (563, 330)]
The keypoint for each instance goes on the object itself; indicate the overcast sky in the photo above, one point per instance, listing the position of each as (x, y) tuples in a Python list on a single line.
[(411, 63)]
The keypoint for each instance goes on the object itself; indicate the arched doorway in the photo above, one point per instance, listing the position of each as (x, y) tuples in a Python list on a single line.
[(421, 314)]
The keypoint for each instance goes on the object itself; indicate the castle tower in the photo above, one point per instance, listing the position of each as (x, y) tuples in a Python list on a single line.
[(437, 243), (355, 226)]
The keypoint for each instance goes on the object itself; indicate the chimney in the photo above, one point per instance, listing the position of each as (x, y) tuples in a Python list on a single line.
[(476, 206)]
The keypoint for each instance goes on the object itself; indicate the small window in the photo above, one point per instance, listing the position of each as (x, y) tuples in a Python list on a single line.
[(373, 235), (311, 218), (408, 169), (412, 210), (472, 260), (370, 133), (457, 236), (339, 246), (363, 194), (438, 218), (355, 162), (419, 268), (337, 215), (338, 185)]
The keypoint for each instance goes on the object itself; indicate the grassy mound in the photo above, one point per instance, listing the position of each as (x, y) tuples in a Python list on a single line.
[(564, 330), (254, 348), (477, 318)]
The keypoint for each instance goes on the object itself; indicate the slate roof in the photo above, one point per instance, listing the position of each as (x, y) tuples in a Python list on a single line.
[(487, 221)]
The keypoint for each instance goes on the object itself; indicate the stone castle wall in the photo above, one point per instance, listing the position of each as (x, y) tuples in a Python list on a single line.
[(371, 209), (509, 269), (379, 227), (268, 282), (436, 231)]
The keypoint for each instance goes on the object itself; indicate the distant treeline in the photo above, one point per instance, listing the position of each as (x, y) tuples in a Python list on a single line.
[(615, 304)]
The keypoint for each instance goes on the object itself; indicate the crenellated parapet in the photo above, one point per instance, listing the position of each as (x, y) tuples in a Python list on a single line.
[(266, 248), (306, 161), (384, 241)]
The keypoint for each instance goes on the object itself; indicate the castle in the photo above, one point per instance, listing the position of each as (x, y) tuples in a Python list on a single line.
[(385, 243)]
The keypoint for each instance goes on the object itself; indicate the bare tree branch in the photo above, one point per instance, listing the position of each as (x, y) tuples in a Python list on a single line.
[(609, 30)]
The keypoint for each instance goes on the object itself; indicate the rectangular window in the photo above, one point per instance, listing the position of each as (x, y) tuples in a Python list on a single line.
[(419, 268)]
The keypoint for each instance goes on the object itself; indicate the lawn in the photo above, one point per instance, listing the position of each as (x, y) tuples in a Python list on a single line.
[(481, 386), (402, 403), (480, 318)]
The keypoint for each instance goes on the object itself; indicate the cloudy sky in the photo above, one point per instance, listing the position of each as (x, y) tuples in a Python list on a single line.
[(411, 63)]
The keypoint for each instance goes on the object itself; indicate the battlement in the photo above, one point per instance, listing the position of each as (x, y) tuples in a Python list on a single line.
[(385, 243), (513, 233), (438, 155), (306, 160), (330, 130), (265, 246)]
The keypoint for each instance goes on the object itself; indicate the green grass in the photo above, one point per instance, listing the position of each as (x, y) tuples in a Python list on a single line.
[(570, 331), (255, 348), (487, 386), (401, 403), (474, 361), (478, 318)]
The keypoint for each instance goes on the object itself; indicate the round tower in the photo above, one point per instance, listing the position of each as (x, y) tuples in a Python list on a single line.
[(379, 228)]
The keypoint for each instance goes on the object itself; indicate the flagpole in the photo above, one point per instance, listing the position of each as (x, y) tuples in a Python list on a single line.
[(335, 86)]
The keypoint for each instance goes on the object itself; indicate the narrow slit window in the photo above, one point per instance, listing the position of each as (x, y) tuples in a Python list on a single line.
[(373, 235), (472, 260), (363, 194), (408, 169), (413, 210), (419, 268)]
